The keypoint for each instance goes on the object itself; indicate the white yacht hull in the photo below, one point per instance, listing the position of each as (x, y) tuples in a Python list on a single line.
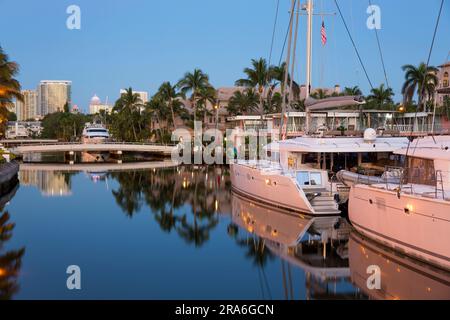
[(282, 192), (415, 225)]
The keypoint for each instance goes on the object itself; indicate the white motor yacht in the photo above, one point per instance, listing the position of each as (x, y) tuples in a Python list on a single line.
[(95, 133), (413, 215)]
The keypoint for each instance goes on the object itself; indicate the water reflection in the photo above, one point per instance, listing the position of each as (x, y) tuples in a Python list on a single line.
[(333, 256), (167, 216), (316, 246), (401, 277), (204, 189), (50, 183), (10, 260)]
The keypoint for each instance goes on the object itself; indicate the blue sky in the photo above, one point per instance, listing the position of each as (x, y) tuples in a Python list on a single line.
[(141, 43)]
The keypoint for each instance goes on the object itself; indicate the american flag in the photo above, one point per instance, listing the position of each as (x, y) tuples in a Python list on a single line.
[(323, 33)]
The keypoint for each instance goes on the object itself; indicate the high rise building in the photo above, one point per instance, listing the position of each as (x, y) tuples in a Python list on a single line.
[(28, 109), (142, 94), (53, 95)]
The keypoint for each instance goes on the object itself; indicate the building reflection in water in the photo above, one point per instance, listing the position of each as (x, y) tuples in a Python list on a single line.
[(50, 183), (316, 246), (10, 260), (402, 278)]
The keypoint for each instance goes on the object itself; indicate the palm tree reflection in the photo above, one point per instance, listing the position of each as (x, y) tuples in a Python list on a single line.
[(10, 261), (182, 199)]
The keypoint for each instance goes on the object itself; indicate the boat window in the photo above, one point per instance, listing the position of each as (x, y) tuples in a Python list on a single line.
[(316, 178), (421, 171), (303, 178)]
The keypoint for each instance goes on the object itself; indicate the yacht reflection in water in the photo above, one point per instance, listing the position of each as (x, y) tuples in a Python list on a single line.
[(318, 246), (10, 260), (334, 257), (401, 277)]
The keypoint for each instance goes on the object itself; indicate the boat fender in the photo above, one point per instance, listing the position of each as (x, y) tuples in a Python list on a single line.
[(398, 192), (337, 198)]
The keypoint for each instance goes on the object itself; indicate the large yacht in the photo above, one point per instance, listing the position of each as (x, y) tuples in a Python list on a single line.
[(95, 133), (297, 176), (412, 215)]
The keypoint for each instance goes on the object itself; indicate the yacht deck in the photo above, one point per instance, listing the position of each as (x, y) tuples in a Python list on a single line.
[(415, 189)]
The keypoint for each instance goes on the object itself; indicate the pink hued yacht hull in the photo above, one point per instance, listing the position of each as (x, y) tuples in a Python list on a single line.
[(415, 225)]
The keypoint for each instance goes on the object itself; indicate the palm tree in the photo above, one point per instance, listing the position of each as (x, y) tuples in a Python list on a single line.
[(320, 94), (157, 109), (194, 82), (243, 102), (381, 97), (352, 91), (9, 86), (129, 106), (421, 80), (169, 94), (277, 74), (259, 76), (274, 102), (206, 95)]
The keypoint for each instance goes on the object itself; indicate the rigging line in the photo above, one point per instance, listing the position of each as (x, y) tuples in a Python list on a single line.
[(294, 51), (272, 43), (424, 78), (353, 43), (381, 53), (286, 36), (273, 32)]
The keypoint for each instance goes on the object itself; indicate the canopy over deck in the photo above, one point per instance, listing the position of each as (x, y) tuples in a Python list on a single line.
[(339, 145)]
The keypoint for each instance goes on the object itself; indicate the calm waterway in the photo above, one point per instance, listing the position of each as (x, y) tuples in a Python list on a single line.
[(181, 233)]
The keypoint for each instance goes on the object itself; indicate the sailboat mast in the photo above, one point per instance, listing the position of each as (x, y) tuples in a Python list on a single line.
[(309, 11), (285, 84)]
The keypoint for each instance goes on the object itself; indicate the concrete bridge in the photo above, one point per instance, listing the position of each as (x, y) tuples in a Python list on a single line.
[(112, 147)]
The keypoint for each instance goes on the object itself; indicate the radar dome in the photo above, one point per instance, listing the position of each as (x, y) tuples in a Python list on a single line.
[(370, 135), (95, 100)]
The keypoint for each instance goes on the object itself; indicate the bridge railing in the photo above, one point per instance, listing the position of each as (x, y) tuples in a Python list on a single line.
[(104, 143)]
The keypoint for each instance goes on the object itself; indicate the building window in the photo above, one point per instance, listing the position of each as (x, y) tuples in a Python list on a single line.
[(445, 81)]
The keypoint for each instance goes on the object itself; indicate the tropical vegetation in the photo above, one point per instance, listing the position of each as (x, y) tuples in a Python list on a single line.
[(9, 88), (64, 126), (421, 80)]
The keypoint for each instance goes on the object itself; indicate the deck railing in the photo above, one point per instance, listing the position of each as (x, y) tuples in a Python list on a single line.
[(405, 179)]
